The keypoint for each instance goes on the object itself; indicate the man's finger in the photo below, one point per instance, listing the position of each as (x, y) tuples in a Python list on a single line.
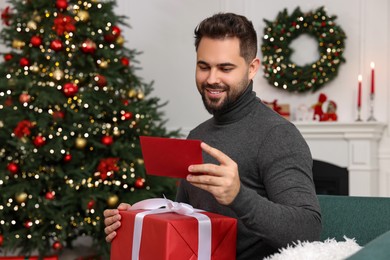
[(215, 153)]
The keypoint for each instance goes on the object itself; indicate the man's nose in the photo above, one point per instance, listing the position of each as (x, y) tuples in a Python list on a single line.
[(213, 77)]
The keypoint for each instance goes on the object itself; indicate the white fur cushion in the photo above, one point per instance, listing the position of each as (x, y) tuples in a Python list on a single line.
[(330, 249)]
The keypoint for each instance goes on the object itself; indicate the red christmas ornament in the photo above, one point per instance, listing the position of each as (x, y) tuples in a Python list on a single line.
[(1, 240), (125, 61), (127, 116), (50, 195), (101, 80), (56, 45), (58, 115), (24, 98), (70, 89), (139, 183), (61, 4), (28, 224), (24, 62), (67, 157), (64, 23), (88, 47), (107, 140), (39, 141), (57, 245), (113, 34), (8, 57), (36, 41), (13, 168), (91, 204)]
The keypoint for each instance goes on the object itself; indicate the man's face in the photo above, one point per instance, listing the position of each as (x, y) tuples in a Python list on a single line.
[(222, 74)]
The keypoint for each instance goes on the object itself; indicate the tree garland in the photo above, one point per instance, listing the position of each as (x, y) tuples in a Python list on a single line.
[(283, 73)]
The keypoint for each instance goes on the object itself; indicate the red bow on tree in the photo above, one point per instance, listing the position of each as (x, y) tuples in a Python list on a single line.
[(64, 23), (107, 165), (23, 128), (6, 15)]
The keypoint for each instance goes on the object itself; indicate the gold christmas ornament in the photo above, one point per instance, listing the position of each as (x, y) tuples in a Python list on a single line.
[(132, 93), (120, 40), (103, 64), (140, 95), (21, 197), (83, 15), (17, 44), (58, 74), (112, 201), (32, 25), (81, 142)]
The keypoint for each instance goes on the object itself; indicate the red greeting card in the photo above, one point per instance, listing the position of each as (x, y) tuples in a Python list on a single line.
[(170, 156)]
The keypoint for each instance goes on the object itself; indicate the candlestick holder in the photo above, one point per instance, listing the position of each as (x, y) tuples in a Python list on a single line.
[(358, 119), (372, 99)]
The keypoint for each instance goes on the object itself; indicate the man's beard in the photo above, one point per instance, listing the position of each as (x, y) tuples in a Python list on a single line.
[(218, 105)]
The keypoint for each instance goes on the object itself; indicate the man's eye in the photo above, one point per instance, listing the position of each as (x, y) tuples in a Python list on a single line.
[(204, 68), (226, 69)]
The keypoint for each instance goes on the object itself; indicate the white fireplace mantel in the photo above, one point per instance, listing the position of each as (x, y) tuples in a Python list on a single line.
[(353, 145)]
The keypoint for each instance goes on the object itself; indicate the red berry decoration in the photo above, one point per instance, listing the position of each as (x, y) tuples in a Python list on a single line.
[(61, 4), (50, 195), (24, 62), (39, 141), (24, 98), (36, 41), (28, 224), (127, 116), (56, 45), (70, 89), (107, 140), (8, 57), (57, 245), (67, 157), (88, 47), (139, 183), (91, 204), (13, 168), (125, 61)]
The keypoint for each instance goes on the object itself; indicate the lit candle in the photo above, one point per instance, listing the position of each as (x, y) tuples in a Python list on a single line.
[(360, 91), (372, 78)]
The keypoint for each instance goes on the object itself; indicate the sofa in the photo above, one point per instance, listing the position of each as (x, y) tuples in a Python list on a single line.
[(366, 219)]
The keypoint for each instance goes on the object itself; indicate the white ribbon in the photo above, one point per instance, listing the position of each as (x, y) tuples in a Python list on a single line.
[(158, 206)]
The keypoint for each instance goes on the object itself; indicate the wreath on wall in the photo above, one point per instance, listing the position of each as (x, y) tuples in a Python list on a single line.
[(283, 73)]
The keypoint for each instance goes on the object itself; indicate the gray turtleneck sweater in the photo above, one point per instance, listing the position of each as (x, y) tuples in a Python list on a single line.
[(276, 204)]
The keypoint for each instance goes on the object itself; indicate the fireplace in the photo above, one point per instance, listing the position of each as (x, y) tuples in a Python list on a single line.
[(353, 146), (330, 179)]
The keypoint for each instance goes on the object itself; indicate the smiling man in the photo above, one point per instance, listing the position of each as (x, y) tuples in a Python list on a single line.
[(258, 168)]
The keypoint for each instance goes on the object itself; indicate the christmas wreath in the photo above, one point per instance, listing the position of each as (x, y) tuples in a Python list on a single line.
[(283, 73)]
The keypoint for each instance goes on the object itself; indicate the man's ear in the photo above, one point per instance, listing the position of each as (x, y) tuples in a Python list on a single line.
[(253, 68)]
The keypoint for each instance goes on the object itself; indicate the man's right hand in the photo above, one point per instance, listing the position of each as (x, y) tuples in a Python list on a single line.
[(112, 220)]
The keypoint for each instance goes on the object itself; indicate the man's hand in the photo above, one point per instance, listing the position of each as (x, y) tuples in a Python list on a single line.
[(112, 220), (221, 180)]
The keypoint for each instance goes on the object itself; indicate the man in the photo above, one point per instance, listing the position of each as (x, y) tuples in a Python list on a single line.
[(257, 165)]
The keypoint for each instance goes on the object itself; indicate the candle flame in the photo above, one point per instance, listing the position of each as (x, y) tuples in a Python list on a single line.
[(360, 78), (372, 65)]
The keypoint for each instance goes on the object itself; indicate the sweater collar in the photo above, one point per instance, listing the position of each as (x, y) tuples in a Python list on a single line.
[(239, 108)]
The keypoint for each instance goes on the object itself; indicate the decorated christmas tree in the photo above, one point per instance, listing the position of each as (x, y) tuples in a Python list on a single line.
[(71, 112)]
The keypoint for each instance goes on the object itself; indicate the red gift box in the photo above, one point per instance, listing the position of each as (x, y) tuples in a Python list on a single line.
[(27, 258), (171, 236)]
